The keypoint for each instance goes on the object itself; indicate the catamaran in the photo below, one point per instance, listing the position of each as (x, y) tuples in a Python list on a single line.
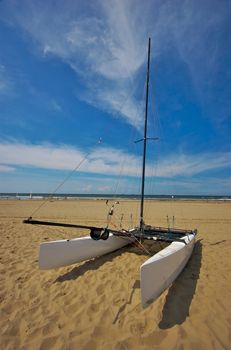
[(158, 272)]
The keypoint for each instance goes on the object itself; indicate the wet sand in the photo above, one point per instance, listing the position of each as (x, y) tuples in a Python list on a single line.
[(96, 304)]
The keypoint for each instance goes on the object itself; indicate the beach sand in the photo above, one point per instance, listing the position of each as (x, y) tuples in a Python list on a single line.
[(96, 304)]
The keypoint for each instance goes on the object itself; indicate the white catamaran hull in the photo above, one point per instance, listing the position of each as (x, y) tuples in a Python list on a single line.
[(158, 272), (66, 252)]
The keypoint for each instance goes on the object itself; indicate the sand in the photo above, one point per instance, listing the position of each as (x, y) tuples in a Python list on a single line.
[(96, 304)]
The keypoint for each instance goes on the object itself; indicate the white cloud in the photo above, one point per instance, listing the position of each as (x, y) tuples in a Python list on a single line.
[(100, 47), (40, 156), (108, 161), (189, 165), (105, 42), (6, 169), (198, 186), (47, 156)]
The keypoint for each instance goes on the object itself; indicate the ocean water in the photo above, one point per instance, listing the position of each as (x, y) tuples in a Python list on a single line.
[(71, 196)]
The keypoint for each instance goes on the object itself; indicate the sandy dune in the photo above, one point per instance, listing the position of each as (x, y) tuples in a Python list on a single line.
[(96, 304)]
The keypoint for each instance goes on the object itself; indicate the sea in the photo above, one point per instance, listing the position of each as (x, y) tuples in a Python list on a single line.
[(71, 196)]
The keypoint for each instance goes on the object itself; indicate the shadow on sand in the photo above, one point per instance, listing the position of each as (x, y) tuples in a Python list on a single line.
[(78, 271), (136, 285), (94, 264), (180, 294)]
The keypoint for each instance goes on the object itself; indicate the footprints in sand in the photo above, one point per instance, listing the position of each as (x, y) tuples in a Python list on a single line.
[(100, 290), (95, 305)]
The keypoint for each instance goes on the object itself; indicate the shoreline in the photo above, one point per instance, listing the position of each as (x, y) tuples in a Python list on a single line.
[(113, 198)]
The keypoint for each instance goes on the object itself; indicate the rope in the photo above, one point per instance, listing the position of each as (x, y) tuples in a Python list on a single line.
[(137, 243), (141, 246), (111, 212)]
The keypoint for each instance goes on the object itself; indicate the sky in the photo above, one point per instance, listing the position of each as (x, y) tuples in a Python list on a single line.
[(72, 96)]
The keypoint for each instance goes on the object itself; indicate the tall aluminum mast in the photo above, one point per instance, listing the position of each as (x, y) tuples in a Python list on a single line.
[(145, 139)]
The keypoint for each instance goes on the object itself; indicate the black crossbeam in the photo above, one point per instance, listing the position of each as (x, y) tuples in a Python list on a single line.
[(61, 224)]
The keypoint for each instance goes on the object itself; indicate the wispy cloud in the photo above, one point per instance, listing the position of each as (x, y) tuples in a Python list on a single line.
[(105, 42), (55, 106), (190, 165), (98, 44), (108, 161), (6, 169), (199, 185), (5, 82), (47, 156)]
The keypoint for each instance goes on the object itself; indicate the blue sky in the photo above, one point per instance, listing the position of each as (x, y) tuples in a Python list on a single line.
[(72, 72)]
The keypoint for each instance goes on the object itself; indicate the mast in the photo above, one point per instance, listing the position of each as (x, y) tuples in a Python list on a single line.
[(145, 139)]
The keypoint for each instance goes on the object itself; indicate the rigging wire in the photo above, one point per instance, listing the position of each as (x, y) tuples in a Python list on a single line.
[(135, 146), (131, 145), (158, 127), (133, 239), (149, 179), (155, 154), (138, 244), (64, 180), (171, 187)]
